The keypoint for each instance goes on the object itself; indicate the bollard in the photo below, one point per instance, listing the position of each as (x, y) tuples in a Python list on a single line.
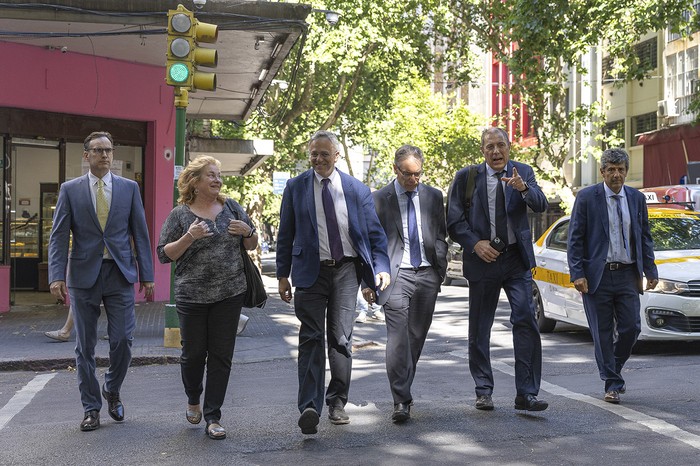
[(171, 333)]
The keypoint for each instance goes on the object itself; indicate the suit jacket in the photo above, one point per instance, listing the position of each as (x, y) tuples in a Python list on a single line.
[(75, 213), (469, 231), (297, 238), (433, 229), (589, 236)]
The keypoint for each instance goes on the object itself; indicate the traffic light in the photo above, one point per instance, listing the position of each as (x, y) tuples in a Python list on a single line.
[(184, 54)]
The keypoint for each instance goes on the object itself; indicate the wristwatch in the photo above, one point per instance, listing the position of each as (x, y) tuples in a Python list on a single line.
[(252, 232)]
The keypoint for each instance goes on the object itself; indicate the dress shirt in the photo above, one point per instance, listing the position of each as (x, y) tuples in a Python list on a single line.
[(403, 207), (341, 212), (491, 184), (616, 247), (107, 188)]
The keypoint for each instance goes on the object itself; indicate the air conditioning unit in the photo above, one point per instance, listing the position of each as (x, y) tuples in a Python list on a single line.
[(666, 108)]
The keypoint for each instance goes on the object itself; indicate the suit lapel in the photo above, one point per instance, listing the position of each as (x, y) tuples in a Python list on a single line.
[(89, 206), (602, 203), (425, 217), (480, 183), (393, 205), (310, 199)]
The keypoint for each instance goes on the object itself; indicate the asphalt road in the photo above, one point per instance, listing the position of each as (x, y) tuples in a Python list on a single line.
[(657, 422)]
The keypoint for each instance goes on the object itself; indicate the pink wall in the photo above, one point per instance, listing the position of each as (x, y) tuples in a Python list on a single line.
[(41, 79)]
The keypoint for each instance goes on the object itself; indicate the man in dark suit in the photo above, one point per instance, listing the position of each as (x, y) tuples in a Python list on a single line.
[(610, 249), (413, 218), (329, 239), (498, 254), (105, 216)]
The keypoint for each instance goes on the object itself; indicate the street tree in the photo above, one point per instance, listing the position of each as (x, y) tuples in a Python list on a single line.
[(542, 42), (447, 133)]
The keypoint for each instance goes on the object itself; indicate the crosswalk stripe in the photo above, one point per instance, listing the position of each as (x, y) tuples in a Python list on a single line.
[(22, 398)]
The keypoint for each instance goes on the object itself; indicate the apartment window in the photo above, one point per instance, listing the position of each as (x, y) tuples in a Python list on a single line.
[(643, 124), (647, 53), (616, 129), (674, 35), (681, 74)]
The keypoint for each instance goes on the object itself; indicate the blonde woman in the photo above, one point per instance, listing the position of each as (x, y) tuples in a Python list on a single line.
[(204, 235)]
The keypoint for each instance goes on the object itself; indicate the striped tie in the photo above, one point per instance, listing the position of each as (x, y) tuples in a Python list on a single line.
[(101, 204)]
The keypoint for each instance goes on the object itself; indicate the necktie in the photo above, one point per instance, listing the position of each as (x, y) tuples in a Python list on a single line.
[(101, 204), (413, 240), (334, 241), (621, 224), (501, 220)]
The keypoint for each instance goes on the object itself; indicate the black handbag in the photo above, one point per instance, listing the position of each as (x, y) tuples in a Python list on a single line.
[(255, 294)]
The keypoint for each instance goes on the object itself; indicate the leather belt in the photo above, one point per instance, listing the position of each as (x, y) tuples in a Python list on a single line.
[(108, 261), (335, 263), (416, 269), (510, 248), (617, 265)]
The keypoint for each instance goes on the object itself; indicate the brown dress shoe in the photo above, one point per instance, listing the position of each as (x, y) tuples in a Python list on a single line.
[(91, 421), (612, 396)]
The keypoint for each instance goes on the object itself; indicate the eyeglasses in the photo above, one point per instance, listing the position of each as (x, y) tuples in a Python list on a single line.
[(101, 150), (500, 146), (409, 174)]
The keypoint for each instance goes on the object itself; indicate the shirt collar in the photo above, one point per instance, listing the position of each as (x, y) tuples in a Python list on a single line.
[(400, 189), (334, 177), (490, 171), (107, 178), (609, 192)]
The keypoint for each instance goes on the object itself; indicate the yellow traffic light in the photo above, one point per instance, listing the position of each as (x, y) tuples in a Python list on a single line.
[(185, 33)]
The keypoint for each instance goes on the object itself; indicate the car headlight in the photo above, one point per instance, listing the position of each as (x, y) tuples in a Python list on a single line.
[(669, 286)]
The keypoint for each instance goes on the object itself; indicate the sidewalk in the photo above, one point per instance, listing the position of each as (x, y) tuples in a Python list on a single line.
[(271, 333)]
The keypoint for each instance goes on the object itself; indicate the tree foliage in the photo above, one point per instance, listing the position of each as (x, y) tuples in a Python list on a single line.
[(448, 134), (542, 42)]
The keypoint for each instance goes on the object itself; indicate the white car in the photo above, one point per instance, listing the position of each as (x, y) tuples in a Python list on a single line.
[(671, 311)]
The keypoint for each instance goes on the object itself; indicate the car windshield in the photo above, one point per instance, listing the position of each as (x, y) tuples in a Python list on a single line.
[(671, 233)]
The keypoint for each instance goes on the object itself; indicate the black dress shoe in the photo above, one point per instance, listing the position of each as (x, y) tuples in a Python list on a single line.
[(308, 421), (484, 403), (337, 415), (91, 421), (402, 412), (115, 408), (530, 403)]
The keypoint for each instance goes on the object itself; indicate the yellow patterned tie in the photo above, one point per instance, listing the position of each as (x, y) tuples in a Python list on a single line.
[(102, 204)]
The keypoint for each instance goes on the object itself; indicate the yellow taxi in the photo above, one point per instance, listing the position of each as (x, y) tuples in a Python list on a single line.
[(671, 311)]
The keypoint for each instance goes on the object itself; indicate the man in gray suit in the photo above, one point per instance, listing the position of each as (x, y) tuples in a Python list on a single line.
[(413, 218), (105, 215)]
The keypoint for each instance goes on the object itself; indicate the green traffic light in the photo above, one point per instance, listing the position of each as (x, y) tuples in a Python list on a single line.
[(179, 72)]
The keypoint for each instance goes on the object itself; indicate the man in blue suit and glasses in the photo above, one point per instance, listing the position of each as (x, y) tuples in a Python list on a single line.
[(329, 240), (110, 252)]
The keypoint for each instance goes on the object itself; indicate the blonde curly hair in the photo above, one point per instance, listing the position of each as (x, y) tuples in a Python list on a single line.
[(191, 175)]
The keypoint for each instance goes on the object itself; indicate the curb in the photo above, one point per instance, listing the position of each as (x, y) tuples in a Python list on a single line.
[(41, 365)]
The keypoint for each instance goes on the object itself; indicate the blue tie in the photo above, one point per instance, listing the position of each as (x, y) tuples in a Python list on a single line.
[(619, 217), (334, 242), (413, 240)]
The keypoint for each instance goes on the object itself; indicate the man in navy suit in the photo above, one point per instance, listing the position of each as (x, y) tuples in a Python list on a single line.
[(498, 254), (418, 253), (329, 240), (610, 249), (105, 216)]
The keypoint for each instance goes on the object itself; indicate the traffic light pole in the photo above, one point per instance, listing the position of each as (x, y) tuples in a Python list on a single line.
[(171, 337)]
